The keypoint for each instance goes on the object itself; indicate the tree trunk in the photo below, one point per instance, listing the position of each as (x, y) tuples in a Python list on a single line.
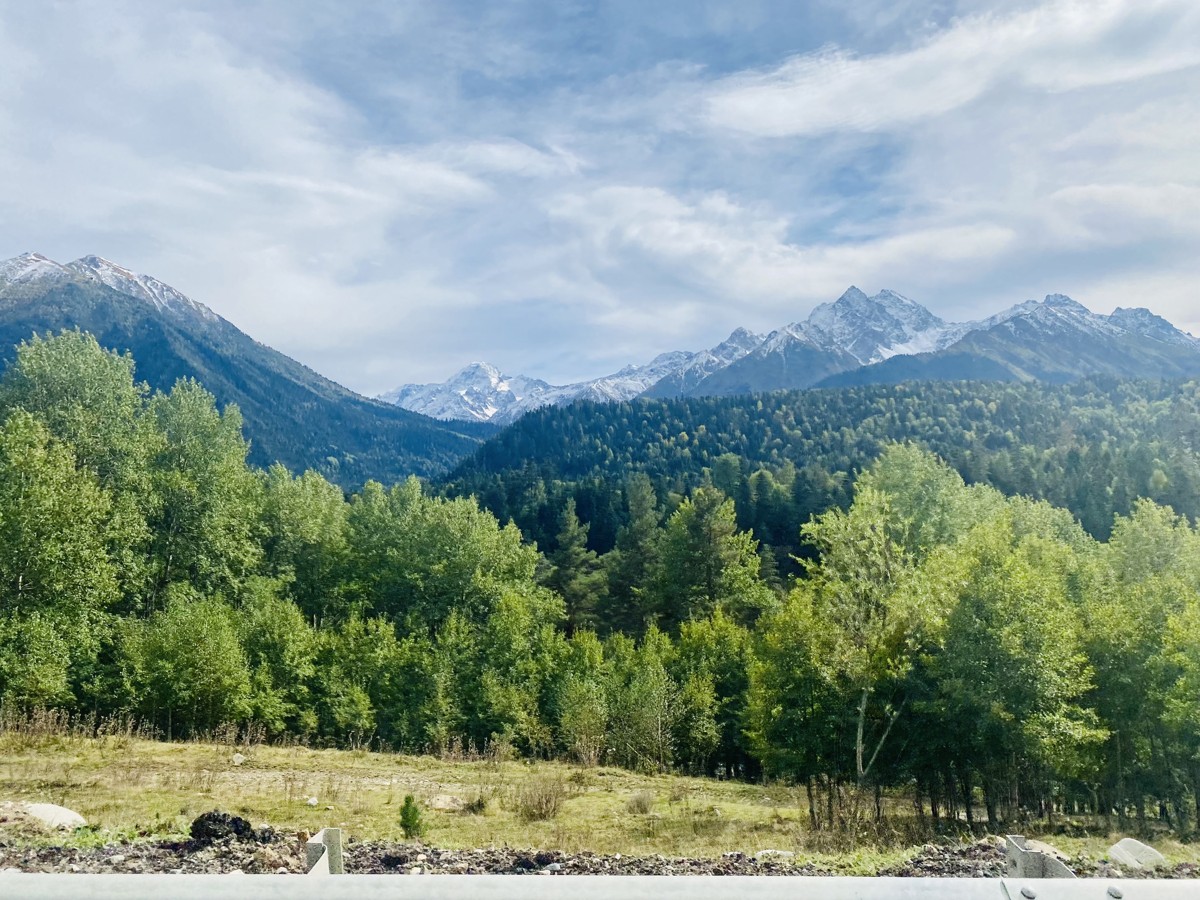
[(965, 778), (812, 805), (989, 802), (951, 795)]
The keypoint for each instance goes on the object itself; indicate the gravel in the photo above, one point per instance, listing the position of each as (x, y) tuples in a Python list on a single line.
[(226, 844)]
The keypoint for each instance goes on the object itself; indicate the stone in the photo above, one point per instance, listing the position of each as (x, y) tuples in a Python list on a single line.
[(311, 801), (1135, 855), (774, 854), (445, 803), (55, 816), (117, 859), (216, 826), (238, 759)]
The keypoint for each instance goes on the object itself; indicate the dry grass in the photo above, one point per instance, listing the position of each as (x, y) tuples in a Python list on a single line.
[(128, 786)]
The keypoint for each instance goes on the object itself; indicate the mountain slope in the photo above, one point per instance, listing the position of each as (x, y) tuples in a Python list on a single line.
[(292, 414), (1055, 339), (480, 392), (853, 331)]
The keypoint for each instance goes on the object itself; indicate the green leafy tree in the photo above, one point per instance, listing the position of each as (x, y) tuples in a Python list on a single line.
[(1013, 673), (281, 652), (306, 523), (187, 669), (87, 399), (56, 579), (205, 533)]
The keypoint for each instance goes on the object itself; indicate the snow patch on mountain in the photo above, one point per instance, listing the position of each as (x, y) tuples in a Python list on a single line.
[(478, 392), (869, 329), (29, 268), (33, 270), (481, 392), (144, 287)]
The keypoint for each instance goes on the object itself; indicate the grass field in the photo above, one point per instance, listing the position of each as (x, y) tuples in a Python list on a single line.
[(128, 787)]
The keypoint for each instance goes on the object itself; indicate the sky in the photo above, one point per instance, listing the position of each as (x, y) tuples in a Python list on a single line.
[(388, 191)]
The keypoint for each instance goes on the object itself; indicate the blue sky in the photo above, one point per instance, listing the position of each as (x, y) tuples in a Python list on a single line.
[(387, 191)]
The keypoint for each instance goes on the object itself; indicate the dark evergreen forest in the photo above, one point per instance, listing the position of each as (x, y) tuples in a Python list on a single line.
[(1093, 447)]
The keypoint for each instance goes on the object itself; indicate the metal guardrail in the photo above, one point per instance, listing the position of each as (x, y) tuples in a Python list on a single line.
[(1024, 862), (22, 886)]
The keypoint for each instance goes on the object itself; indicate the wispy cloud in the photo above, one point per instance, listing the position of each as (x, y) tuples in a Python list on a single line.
[(1062, 46), (389, 190)]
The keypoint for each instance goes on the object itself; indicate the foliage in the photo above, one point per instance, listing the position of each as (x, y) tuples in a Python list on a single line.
[(411, 821), (922, 626)]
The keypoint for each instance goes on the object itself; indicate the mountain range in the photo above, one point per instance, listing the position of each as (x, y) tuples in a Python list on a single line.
[(857, 339), (291, 414)]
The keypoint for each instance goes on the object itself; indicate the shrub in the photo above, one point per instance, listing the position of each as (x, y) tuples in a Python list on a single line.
[(411, 822), (640, 803), (540, 797)]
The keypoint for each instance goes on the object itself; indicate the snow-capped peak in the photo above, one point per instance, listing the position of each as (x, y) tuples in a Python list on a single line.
[(33, 270), (1140, 320), (29, 268), (478, 391), (869, 329), (144, 287)]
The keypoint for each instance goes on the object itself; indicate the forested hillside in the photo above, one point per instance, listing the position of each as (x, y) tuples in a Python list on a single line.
[(980, 652), (1092, 447), (289, 412)]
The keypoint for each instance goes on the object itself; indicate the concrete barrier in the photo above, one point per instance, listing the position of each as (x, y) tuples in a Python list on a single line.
[(324, 852)]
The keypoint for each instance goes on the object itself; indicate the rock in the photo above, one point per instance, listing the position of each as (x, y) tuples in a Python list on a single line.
[(216, 826), (238, 759), (311, 801), (415, 870), (446, 803), (1135, 855), (117, 859), (774, 854), (55, 816)]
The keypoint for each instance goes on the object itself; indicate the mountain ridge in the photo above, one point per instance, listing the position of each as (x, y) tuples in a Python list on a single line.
[(292, 414), (861, 339)]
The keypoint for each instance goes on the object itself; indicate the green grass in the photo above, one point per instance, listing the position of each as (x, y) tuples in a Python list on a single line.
[(130, 788)]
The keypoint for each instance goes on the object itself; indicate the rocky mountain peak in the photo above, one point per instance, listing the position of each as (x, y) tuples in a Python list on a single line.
[(29, 268)]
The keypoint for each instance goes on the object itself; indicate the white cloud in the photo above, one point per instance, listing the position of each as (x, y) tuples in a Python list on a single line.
[(388, 192), (1061, 46), (726, 251)]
